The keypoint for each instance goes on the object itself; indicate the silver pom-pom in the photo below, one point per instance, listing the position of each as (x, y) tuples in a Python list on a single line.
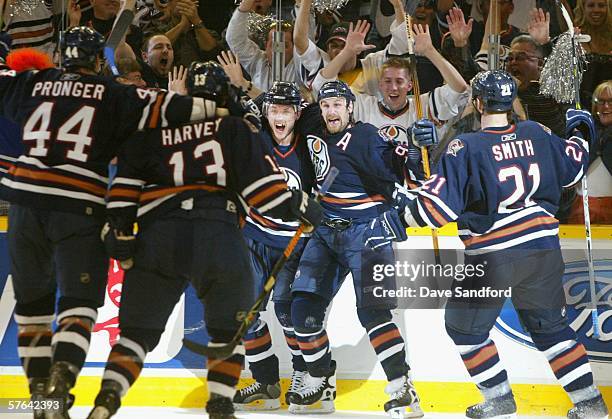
[(23, 8), (323, 6), (259, 26), (559, 76)]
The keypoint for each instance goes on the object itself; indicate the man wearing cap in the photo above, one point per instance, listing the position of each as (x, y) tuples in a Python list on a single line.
[(311, 59)]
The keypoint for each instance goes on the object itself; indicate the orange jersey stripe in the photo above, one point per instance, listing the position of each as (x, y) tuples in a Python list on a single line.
[(159, 193), (291, 341), (385, 337), (262, 220), (266, 193), (32, 34), (482, 356), (231, 369), (55, 178), (35, 333), (156, 111), (568, 358), (373, 198), (123, 192), (434, 212), (544, 220), (314, 344), (256, 343), (126, 362)]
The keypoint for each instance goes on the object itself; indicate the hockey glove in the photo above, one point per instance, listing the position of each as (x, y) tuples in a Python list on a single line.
[(582, 121), (424, 133), (244, 107), (384, 229), (306, 209), (118, 246)]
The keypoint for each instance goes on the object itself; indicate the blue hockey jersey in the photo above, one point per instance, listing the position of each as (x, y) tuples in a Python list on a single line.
[(502, 186), (366, 177), (294, 162), (72, 126), (213, 164)]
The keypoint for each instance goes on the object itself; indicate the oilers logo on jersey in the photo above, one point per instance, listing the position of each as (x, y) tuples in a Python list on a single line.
[(319, 156), (454, 147), (291, 178), (394, 133)]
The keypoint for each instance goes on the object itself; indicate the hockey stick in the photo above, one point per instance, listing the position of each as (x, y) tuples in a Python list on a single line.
[(226, 350), (494, 27), (122, 24), (278, 46), (416, 92), (585, 186)]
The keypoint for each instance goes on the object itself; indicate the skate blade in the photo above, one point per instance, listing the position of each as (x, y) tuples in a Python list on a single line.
[(258, 405), (413, 411), (508, 416), (99, 412), (325, 406)]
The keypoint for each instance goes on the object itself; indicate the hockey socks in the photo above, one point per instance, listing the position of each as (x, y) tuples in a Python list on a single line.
[(390, 350), (34, 338), (308, 314), (34, 346), (569, 362), (480, 357), (124, 365), (223, 374), (263, 363), (283, 314), (71, 338)]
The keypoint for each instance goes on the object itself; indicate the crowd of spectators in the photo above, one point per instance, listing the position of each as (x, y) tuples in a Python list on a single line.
[(168, 34)]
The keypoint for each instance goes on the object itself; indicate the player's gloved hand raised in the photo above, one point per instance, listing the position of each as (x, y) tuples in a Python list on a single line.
[(119, 245), (244, 107), (424, 133), (582, 121), (306, 209), (384, 229)]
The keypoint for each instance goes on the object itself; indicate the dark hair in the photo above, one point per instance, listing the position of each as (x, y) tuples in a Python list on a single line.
[(528, 39), (147, 38)]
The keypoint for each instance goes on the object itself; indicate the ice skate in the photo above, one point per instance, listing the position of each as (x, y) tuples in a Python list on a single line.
[(297, 381), (594, 408), (317, 394), (61, 380), (503, 407), (258, 396), (106, 404), (219, 407), (404, 401)]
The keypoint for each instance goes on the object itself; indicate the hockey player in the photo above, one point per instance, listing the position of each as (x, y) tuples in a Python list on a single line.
[(266, 238), (390, 108), (72, 122), (502, 185), (359, 195), (185, 184)]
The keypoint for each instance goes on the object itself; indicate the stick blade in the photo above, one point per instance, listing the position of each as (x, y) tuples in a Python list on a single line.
[(109, 55), (218, 352)]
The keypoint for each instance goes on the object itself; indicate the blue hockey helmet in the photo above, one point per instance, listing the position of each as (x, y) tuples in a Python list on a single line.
[(336, 88), (80, 46), (496, 88), (283, 93), (208, 80)]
